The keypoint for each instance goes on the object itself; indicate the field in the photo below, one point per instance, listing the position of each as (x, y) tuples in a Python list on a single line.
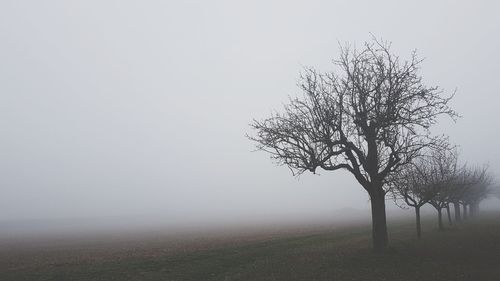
[(470, 251)]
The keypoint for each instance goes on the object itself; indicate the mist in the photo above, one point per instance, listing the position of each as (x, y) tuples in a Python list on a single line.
[(139, 111)]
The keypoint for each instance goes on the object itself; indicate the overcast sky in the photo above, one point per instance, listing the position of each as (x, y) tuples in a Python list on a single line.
[(116, 108)]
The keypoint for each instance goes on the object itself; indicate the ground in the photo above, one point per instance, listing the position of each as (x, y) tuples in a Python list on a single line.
[(470, 251)]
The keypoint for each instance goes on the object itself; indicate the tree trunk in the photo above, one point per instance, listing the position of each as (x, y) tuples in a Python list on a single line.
[(456, 206), (473, 209), (449, 215), (379, 222), (417, 217), (465, 211), (440, 218)]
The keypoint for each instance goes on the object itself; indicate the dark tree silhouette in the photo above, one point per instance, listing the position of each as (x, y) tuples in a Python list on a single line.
[(465, 215), (370, 116), (457, 193), (444, 171), (477, 188), (457, 212), (411, 184), (439, 202), (450, 221)]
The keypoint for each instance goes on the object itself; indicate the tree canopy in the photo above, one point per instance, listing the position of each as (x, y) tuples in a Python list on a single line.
[(371, 115)]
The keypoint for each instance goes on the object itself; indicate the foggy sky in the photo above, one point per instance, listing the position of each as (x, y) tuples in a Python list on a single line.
[(111, 108)]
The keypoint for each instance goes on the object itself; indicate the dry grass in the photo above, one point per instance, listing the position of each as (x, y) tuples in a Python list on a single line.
[(467, 252)]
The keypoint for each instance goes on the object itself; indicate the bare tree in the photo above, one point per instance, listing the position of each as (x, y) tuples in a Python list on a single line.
[(443, 177), (411, 184), (477, 188), (465, 179), (457, 192), (448, 213), (370, 116)]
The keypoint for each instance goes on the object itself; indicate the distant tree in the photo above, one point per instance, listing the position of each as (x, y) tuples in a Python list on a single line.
[(457, 191), (411, 184), (477, 188), (370, 116), (448, 213), (443, 177)]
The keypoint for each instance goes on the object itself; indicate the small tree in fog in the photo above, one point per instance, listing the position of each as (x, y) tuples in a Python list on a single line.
[(411, 184), (457, 193), (439, 202), (442, 177), (462, 192), (477, 185), (370, 116)]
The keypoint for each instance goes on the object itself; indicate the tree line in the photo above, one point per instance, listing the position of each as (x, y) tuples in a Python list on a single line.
[(437, 179), (371, 115)]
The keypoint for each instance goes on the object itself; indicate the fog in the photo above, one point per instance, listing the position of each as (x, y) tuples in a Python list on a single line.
[(139, 109)]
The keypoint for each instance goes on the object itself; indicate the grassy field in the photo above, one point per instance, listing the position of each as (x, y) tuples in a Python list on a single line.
[(470, 251)]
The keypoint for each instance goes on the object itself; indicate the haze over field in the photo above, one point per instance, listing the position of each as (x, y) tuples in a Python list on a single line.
[(135, 109)]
